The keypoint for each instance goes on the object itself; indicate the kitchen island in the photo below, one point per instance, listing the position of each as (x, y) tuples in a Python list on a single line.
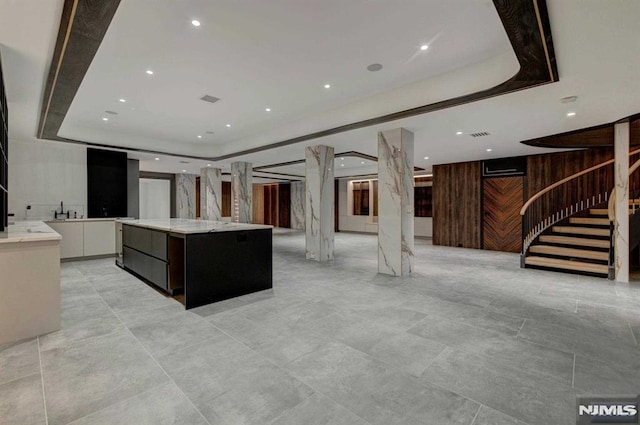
[(209, 261)]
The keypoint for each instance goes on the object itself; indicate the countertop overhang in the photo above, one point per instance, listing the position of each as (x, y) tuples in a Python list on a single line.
[(189, 226)]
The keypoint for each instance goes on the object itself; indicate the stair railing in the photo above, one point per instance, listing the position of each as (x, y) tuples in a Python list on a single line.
[(564, 198)]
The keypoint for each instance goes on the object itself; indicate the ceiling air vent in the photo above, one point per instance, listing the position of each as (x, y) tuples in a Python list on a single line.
[(210, 99), (480, 134), (185, 162), (111, 112)]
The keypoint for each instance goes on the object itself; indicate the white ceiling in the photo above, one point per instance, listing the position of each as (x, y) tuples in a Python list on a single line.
[(252, 56)]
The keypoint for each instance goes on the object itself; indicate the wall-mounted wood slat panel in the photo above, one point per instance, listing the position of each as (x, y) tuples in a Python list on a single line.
[(226, 199), (457, 205), (258, 204), (284, 205)]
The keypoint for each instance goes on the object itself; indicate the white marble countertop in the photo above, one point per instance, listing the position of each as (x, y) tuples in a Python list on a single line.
[(28, 231), (186, 226), (72, 220)]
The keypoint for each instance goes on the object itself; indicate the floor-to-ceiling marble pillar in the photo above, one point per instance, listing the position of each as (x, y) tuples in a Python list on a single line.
[(621, 224), (395, 202), (319, 209), (241, 192), (186, 195), (297, 205), (211, 194)]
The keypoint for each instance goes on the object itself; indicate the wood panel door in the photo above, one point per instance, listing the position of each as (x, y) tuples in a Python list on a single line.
[(501, 223)]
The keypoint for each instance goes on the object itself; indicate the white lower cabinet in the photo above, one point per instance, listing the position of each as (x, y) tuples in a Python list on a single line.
[(99, 238), (72, 243), (85, 238)]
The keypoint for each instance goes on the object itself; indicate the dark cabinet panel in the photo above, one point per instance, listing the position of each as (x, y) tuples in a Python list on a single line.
[(150, 242), (151, 269), (106, 183)]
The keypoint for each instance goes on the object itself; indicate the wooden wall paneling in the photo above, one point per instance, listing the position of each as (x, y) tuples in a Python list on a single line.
[(457, 205), (198, 212), (258, 204), (284, 205), (226, 199), (502, 199)]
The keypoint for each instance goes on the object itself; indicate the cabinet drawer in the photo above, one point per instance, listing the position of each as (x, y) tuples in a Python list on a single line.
[(150, 242), (152, 269)]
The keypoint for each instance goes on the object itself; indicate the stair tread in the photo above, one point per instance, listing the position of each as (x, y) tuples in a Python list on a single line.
[(568, 240), (570, 252), (599, 211), (590, 220), (557, 263), (590, 231)]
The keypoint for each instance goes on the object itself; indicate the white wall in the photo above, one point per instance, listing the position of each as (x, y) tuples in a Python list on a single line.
[(155, 198), (423, 226), (43, 174)]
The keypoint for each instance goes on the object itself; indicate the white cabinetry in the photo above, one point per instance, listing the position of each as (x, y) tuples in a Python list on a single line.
[(72, 243), (85, 238), (99, 238)]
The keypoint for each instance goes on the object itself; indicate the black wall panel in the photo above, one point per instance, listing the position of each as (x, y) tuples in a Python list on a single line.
[(106, 183)]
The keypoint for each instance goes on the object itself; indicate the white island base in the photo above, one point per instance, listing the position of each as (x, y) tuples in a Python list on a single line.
[(29, 281)]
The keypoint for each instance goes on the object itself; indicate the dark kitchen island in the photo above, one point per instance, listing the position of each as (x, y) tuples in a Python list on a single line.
[(209, 260)]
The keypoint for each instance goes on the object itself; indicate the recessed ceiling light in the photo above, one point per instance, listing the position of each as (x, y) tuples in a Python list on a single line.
[(267, 109), (184, 171), (327, 86), (228, 125), (374, 67), (195, 23), (424, 47), (571, 114), (342, 165), (342, 159), (105, 119), (361, 162), (122, 100), (489, 150), (458, 132), (199, 136), (150, 72), (208, 165), (157, 159), (426, 157)]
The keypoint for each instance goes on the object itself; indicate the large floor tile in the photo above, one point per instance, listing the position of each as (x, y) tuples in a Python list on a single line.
[(602, 347), (524, 396), (93, 374), (488, 416), (21, 401), (376, 393), (82, 320), (18, 360), (605, 378), (319, 410), (161, 405)]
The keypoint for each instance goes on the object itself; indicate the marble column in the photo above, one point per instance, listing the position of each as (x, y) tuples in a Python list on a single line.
[(297, 205), (319, 219), (186, 195), (395, 202), (211, 194), (241, 192), (621, 224)]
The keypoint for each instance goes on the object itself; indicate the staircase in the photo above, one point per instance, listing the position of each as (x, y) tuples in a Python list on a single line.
[(567, 226), (578, 244)]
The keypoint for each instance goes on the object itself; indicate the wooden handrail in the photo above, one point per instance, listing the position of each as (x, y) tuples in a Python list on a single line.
[(612, 199), (566, 179)]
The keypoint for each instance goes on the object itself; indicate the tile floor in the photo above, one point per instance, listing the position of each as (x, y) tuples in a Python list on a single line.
[(469, 338)]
